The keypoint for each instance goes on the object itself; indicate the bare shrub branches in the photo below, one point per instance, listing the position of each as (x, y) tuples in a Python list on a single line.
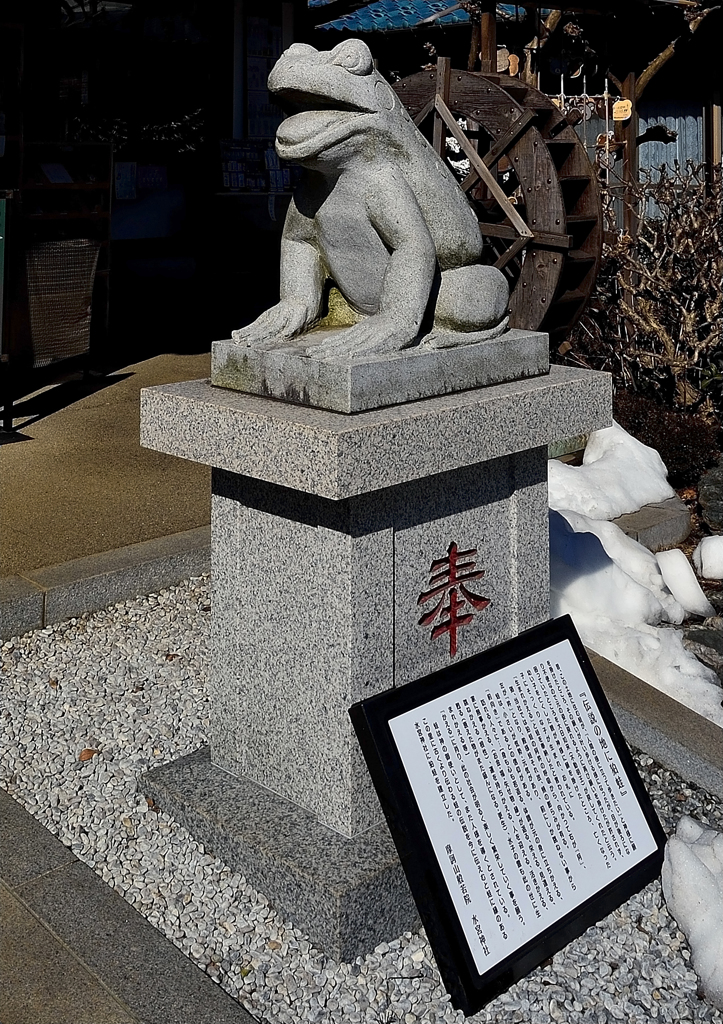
[(655, 319)]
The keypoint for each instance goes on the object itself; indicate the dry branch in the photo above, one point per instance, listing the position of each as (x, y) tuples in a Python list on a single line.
[(535, 45), (655, 319)]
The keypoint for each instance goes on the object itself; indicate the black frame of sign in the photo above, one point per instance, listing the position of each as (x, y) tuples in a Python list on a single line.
[(470, 990)]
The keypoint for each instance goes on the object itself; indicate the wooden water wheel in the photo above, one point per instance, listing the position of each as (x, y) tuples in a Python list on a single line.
[(530, 182)]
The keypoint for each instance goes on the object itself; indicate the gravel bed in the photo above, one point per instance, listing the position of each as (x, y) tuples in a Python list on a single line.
[(128, 684)]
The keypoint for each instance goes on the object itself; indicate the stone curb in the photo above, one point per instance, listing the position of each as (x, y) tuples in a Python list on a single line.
[(659, 526), (679, 738), (54, 593), (64, 914)]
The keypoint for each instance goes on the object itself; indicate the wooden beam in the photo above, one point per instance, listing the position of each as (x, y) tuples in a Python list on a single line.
[(501, 146), (481, 168), (655, 65), (505, 141), (716, 133), (424, 112), (510, 253), (488, 41), (548, 239), (441, 90)]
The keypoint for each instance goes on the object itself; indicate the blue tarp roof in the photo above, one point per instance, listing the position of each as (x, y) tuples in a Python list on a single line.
[(391, 15)]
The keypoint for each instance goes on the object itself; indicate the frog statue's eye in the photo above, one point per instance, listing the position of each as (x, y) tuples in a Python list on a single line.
[(355, 56)]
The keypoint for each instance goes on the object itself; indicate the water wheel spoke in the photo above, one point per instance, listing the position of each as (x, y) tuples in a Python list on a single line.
[(500, 147), (424, 112), (547, 239), (511, 135), (510, 253)]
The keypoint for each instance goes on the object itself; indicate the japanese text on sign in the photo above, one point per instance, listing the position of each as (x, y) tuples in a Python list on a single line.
[(524, 798)]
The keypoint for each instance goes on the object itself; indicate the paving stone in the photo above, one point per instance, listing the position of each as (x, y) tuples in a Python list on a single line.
[(26, 848), (125, 952), (120, 967), (42, 982)]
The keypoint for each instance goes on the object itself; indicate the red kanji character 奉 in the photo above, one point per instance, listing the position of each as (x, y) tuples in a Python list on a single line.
[(448, 577)]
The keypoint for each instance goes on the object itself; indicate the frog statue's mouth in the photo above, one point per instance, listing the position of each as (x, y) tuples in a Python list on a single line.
[(314, 124), (329, 95)]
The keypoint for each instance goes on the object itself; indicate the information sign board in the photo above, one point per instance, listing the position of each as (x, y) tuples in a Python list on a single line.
[(514, 803)]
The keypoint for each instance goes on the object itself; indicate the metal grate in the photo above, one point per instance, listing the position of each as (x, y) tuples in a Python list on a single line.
[(60, 289)]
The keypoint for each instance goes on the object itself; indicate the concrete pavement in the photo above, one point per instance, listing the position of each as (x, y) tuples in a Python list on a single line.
[(75, 481), (87, 515)]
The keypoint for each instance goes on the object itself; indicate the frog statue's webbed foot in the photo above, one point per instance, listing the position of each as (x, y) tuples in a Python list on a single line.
[(373, 336), (275, 327)]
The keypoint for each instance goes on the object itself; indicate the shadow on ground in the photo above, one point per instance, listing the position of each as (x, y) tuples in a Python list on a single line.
[(37, 406)]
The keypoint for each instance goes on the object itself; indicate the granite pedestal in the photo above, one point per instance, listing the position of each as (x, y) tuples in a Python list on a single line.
[(331, 537)]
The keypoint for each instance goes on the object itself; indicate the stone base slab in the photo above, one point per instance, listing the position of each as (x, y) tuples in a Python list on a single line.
[(344, 385), (348, 895)]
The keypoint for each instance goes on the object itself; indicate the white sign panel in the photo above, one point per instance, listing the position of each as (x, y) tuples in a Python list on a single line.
[(524, 797)]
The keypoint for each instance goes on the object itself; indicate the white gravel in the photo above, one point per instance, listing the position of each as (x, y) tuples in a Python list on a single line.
[(128, 682)]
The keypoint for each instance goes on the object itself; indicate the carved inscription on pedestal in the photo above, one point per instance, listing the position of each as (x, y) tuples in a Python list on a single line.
[(455, 604)]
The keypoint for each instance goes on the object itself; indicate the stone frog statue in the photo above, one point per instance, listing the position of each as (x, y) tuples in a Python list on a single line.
[(377, 213)]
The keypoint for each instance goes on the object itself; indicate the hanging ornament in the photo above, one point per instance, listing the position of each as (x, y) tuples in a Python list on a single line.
[(622, 109), (584, 104)]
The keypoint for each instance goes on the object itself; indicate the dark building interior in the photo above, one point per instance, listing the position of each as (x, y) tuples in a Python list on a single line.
[(137, 161)]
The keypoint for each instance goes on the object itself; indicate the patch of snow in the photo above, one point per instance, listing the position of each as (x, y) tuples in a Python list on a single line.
[(693, 888), (634, 560), (610, 586), (708, 558), (619, 474), (680, 580)]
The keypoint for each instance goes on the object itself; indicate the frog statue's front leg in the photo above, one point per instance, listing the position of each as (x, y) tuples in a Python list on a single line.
[(302, 285), (408, 276)]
